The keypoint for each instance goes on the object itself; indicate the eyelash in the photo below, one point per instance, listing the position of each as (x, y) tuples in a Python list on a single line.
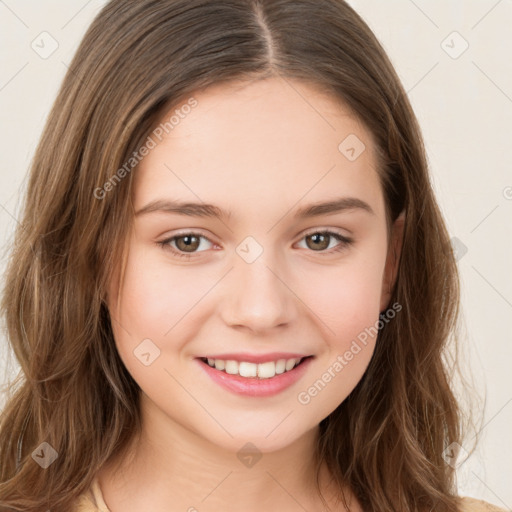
[(345, 242)]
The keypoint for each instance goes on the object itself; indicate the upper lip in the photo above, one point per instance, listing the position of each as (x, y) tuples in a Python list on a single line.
[(256, 358)]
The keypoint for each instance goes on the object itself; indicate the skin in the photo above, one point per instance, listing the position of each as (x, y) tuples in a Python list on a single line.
[(260, 150)]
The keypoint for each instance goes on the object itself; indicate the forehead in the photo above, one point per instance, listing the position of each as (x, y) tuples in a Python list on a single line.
[(250, 146)]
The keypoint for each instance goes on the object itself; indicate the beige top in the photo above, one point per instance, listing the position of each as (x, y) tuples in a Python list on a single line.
[(92, 501)]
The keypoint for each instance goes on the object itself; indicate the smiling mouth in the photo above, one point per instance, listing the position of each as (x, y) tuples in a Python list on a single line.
[(254, 371)]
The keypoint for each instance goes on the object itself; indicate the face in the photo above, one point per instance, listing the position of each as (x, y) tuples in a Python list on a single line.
[(258, 273)]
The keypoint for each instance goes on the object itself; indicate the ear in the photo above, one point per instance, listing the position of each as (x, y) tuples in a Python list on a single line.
[(392, 260)]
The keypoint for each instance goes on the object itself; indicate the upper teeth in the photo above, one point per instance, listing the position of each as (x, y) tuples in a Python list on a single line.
[(262, 370)]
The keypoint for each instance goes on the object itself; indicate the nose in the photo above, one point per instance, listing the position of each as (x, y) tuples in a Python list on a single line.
[(258, 297)]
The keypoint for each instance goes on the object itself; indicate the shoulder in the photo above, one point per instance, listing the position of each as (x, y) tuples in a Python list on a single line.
[(91, 500), (85, 503), (474, 505)]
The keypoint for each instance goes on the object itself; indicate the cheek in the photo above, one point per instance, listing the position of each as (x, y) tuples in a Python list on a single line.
[(161, 302), (346, 301), (155, 296), (349, 311), (347, 297)]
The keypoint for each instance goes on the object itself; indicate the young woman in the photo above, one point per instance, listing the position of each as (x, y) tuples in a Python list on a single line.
[(232, 288)]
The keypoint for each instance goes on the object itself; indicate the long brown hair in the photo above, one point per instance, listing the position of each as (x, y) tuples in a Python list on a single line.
[(138, 59)]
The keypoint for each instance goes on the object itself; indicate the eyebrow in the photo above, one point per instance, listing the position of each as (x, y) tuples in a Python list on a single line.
[(209, 210)]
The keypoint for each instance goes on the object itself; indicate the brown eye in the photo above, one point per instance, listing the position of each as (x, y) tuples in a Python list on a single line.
[(319, 241), (187, 243)]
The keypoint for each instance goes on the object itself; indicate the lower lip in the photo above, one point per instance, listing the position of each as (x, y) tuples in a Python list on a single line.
[(254, 386)]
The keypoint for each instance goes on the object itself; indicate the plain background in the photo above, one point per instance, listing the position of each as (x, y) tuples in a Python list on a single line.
[(463, 100)]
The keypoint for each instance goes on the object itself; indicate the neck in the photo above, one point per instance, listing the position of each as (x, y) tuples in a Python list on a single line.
[(168, 465)]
